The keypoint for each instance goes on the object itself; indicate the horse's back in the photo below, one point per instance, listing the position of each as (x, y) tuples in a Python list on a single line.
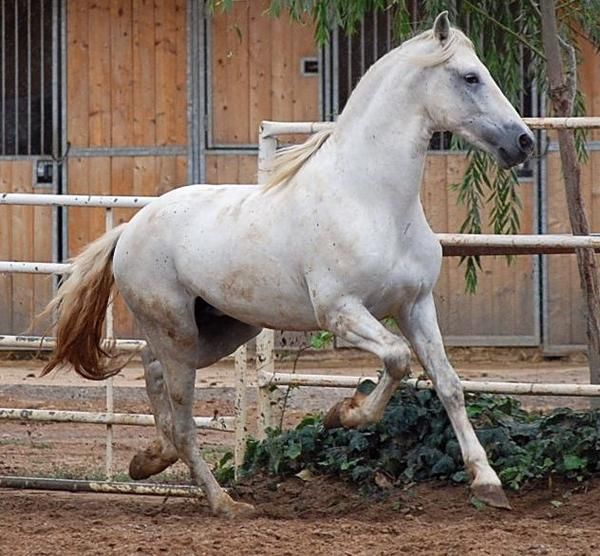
[(219, 244)]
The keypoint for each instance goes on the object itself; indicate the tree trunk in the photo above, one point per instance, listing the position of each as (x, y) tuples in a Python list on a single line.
[(562, 94)]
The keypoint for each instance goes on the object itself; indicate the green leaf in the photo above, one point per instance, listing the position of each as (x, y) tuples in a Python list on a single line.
[(572, 462), (293, 450), (321, 340)]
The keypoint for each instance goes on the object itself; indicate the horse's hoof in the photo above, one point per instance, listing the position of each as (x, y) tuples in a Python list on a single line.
[(235, 510), (148, 462), (492, 495)]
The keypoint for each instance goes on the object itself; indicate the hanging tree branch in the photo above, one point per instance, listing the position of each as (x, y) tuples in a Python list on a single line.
[(562, 92)]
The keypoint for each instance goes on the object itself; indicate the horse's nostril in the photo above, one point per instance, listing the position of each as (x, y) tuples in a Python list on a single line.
[(525, 142)]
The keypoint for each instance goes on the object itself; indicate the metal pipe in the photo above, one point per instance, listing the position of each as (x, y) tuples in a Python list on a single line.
[(530, 244), (224, 423), (39, 342), (16, 51), (74, 200), (266, 380), (241, 406), (589, 122), (105, 487), (282, 128), (110, 333), (453, 245), (42, 76), (3, 76), (22, 267), (28, 76)]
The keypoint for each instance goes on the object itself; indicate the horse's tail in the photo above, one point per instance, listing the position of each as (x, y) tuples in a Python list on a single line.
[(80, 306)]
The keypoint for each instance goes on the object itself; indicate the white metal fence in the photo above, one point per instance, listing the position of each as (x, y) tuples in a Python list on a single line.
[(267, 377)]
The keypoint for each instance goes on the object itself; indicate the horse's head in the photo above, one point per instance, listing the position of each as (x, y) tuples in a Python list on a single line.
[(462, 97)]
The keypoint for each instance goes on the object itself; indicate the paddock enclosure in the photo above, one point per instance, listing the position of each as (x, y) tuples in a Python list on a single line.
[(132, 97)]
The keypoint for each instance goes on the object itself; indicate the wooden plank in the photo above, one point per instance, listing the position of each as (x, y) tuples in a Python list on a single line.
[(459, 312), (305, 94), (6, 299), (166, 72), (558, 274), (99, 183), (180, 84), (181, 171), (230, 76), (247, 168), (121, 72), (166, 174), (100, 109), (259, 79), (22, 248), (78, 217), (211, 172), (43, 239), (144, 176), (122, 180), (144, 73), (282, 82), (434, 196), (77, 73)]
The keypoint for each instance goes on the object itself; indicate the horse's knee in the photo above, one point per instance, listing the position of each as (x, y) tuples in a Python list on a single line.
[(397, 360)]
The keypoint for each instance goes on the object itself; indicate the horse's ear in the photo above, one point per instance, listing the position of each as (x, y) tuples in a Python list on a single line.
[(441, 27)]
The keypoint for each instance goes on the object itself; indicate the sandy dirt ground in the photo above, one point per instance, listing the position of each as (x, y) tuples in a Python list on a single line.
[(321, 516)]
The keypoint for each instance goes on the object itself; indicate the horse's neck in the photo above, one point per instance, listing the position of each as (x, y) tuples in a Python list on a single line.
[(381, 139)]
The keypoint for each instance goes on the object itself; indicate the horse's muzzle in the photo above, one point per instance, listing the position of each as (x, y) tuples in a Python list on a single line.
[(514, 147)]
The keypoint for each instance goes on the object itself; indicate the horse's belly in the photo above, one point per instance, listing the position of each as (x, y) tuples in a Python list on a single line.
[(256, 297)]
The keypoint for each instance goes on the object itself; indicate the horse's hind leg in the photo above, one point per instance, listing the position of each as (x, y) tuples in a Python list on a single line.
[(179, 374), (161, 453), (187, 335)]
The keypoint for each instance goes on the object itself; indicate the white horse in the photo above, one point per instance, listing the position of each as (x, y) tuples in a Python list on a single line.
[(337, 240)]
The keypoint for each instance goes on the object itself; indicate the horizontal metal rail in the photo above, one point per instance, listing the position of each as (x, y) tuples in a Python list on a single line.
[(105, 487), (105, 201), (266, 380), (271, 129), (454, 245), (38, 342), (24, 267), (86, 417)]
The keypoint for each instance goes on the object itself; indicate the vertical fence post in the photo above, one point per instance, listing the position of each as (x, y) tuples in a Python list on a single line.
[(267, 145), (241, 407), (110, 333)]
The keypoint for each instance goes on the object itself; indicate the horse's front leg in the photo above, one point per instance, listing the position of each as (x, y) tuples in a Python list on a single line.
[(419, 324), (352, 321)]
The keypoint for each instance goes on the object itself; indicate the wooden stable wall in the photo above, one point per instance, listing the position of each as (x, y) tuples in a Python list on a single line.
[(502, 312), (127, 125), (564, 313), (25, 235), (254, 75), (126, 87)]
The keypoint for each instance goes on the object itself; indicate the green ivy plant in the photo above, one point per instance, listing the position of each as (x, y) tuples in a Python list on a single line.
[(415, 442)]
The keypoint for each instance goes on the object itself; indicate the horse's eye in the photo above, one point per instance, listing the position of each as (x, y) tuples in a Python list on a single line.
[(472, 78)]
